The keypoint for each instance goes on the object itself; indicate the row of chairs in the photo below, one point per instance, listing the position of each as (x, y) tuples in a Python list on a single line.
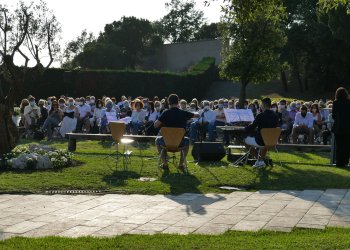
[(172, 138)]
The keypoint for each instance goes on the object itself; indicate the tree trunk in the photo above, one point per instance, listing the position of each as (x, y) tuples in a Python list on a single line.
[(8, 130), (243, 94), (306, 82), (11, 87), (284, 81), (296, 72)]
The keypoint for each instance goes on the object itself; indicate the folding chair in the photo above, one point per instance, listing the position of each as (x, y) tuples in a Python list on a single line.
[(172, 139), (271, 137), (117, 130)]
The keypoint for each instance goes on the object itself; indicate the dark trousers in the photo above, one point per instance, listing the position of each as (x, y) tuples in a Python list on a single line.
[(342, 149)]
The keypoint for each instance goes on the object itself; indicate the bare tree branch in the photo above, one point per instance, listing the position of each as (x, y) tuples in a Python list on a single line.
[(26, 59), (49, 46), (25, 31)]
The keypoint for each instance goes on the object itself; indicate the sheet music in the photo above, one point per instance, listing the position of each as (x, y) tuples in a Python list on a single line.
[(126, 120), (239, 115)]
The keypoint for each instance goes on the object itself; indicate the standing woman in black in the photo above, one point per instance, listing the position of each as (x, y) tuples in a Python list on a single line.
[(341, 127)]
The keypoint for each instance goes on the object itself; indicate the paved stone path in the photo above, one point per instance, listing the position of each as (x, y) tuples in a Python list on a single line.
[(109, 215)]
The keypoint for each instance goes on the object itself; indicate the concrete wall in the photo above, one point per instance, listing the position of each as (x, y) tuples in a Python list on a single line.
[(180, 56)]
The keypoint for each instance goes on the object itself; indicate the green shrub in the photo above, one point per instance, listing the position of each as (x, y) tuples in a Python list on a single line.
[(119, 82)]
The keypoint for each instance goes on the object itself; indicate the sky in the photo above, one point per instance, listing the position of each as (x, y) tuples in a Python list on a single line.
[(92, 15)]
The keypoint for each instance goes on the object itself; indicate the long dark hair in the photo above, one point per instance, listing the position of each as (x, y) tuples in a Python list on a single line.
[(341, 94)]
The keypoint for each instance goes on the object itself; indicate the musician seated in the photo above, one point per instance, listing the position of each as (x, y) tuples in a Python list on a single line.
[(175, 118), (206, 123), (266, 119)]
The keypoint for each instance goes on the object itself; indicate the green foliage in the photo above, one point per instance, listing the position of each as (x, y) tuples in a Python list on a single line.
[(122, 44), (334, 4), (318, 42), (253, 37), (119, 82), (208, 31), (182, 21), (75, 47)]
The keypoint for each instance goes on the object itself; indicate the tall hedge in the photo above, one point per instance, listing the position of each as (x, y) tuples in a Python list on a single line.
[(193, 83)]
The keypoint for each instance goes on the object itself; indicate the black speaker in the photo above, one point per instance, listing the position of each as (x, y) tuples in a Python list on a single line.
[(208, 151)]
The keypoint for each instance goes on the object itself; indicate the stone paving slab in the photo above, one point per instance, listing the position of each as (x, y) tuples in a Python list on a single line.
[(115, 214)]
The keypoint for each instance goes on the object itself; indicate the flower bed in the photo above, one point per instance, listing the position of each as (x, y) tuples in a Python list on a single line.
[(38, 157)]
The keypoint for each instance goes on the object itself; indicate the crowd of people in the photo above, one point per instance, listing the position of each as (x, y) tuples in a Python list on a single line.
[(302, 122)]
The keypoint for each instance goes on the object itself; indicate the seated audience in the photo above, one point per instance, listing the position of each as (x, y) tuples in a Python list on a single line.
[(84, 115), (103, 126), (31, 114), (221, 119), (43, 112), (150, 129), (96, 117), (70, 117), (53, 120), (138, 117), (303, 124), (315, 111), (206, 123)]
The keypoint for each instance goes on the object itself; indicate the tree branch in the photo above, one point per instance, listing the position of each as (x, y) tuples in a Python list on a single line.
[(32, 49), (49, 46), (25, 32), (25, 57)]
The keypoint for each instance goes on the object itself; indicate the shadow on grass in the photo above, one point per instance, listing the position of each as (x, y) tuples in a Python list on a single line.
[(294, 178), (119, 177)]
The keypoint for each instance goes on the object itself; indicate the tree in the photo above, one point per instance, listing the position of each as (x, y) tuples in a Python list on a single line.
[(29, 31), (122, 44), (334, 4), (208, 31), (75, 47), (182, 21), (253, 37)]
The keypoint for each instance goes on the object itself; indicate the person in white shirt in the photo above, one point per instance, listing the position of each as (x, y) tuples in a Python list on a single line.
[(183, 104), (84, 115), (97, 114), (206, 122), (122, 100), (103, 125), (69, 122), (138, 117), (31, 113), (303, 124), (221, 119)]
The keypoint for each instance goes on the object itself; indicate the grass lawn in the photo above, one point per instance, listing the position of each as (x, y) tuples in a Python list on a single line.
[(300, 171), (330, 238)]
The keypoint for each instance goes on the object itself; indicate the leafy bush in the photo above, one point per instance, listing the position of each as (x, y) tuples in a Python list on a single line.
[(193, 83)]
